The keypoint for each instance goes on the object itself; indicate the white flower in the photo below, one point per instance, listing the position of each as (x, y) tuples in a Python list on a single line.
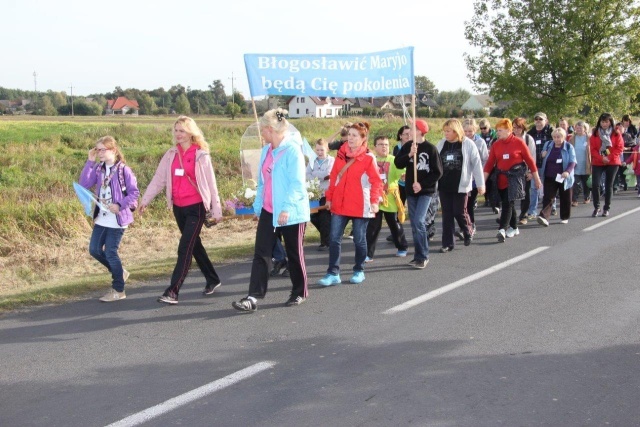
[(249, 193)]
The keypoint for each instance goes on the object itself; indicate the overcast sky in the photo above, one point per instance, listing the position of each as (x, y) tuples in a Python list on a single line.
[(96, 46)]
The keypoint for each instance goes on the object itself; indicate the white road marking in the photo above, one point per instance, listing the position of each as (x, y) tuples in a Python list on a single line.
[(183, 399), (451, 286), (607, 221)]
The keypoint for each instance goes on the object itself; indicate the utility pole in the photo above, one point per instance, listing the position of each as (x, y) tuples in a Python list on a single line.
[(71, 98), (35, 89), (233, 92)]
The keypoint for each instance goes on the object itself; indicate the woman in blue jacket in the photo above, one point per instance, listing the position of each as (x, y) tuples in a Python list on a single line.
[(281, 204), (557, 173)]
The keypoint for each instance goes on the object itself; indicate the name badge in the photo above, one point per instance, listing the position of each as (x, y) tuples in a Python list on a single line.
[(538, 142), (586, 143), (179, 172), (449, 157), (505, 156), (558, 160)]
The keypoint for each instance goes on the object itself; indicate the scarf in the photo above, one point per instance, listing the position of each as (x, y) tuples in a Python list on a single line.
[(605, 137), (357, 152)]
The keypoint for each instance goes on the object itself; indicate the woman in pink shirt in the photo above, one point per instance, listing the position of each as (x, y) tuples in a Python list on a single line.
[(187, 174)]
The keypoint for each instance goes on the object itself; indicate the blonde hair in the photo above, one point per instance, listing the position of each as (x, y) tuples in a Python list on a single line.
[(322, 142), (110, 143), (456, 127), (276, 120), (470, 123), (559, 131), (190, 126)]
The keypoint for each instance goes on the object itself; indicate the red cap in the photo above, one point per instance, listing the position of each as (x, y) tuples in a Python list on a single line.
[(422, 126)]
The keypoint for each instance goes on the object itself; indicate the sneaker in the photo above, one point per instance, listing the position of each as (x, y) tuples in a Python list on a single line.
[(330, 280), (208, 290), (421, 264), (445, 249), (294, 301), (554, 212), (564, 221), (277, 266), (605, 212), (401, 254), (125, 275), (512, 232), (595, 213), (574, 203), (501, 235), (496, 211), (531, 217), (285, 272), (523, 221), (357, 278), (113, 295), (245, 304), (543, 221), (368, 259), (467, 239), (587, 200), (412, 262), (167, 299), (459, 235), (323, 248)]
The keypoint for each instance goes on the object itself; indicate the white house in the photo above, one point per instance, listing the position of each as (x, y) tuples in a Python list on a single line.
[(314, 106), (478, 102)]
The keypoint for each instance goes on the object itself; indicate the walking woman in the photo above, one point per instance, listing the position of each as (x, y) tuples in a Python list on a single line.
[(509, 156), (558, 163), (186, 172), (117, 190), (580, 142), (460, 163), (520, 130), (470, 128), (282, 206), (355, 189), (606, 145)]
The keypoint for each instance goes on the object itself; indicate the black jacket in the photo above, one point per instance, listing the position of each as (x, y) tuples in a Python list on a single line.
[(429, 168), (540, 138)]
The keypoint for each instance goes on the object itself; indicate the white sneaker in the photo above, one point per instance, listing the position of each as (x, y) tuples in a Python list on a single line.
[(512, 232), (564, 221), (501, 235), (113, 295)]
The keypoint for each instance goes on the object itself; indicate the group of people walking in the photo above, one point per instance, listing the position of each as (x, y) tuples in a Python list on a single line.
[(361, 186)]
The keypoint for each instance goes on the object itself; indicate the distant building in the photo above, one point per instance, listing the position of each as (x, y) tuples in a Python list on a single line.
[(122, 105), (314, 106), (15, 107), (479, 102)]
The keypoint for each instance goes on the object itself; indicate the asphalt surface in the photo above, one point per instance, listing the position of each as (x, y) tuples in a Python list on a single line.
[(550, 340)]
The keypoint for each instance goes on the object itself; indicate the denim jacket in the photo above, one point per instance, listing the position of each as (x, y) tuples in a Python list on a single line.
[(568, 156)]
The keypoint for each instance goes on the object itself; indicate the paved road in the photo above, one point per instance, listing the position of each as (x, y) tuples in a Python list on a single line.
[(549, 340)]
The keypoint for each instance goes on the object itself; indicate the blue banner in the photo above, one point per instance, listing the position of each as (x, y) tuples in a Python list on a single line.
[(386, 73)]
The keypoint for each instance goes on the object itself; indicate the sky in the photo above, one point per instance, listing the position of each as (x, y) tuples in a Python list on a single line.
[(95, 46)]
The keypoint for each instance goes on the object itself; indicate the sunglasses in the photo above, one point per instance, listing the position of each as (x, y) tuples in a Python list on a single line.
[(483, 128), (539, 119)]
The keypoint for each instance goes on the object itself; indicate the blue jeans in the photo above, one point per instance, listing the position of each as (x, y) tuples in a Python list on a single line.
[(417, 215), (533, 196), (103, 246), (338, 223)]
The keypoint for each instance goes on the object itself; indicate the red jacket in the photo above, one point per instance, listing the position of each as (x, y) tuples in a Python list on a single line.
[(506, 153), (358, 188), (617, 146)]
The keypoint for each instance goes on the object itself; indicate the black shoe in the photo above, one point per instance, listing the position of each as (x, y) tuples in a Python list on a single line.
[(445, 249), (389, 238), (554, 212), (467, 239), (323, 248), (277, 266), (245, 304), (208, 290), (595, 213), (605, 212), (294, 301), (459, 235)]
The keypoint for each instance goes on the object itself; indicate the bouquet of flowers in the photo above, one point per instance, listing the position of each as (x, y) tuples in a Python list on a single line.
[(241, 199), (314, 190)]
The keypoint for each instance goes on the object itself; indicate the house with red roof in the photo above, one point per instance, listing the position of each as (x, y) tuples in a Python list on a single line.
[(122, 105)]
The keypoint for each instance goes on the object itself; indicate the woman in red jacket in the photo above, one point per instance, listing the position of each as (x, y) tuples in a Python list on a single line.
[(606, 145), (355, 188)]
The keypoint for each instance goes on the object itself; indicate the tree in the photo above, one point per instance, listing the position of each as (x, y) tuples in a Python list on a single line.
[(182, 104), (219, 96), (232, 109), (146, 103), (558, 56), (423, 84)]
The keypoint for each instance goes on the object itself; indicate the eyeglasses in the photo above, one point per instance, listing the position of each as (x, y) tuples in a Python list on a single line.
[(483, 128), (102, 150)]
